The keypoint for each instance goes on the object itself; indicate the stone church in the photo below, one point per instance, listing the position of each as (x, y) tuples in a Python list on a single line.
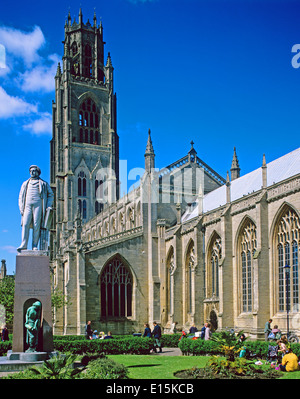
[(186, 245)]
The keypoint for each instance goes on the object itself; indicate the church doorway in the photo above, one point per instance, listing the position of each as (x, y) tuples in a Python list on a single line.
[(213, 320)]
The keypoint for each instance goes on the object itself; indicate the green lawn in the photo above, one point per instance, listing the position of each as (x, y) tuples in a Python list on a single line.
[(158, 367), (164, 367)]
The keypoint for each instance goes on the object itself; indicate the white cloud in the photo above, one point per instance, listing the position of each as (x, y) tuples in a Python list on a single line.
[(9, 248), (21, 44), (41, 77), (14, 106), (40, 126)]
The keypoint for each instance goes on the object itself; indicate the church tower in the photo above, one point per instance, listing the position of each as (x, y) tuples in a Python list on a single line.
[(84, 148)]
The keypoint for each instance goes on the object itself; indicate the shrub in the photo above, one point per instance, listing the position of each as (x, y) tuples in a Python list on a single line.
[(133, 345), (104, 368), (198, 347), (58, 367), (4, 347)]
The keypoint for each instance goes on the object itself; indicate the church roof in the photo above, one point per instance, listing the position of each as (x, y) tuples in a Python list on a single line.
[(278, 170)]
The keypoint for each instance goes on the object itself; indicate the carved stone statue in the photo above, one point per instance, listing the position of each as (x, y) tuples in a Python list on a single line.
[(32, 324), (35, 201)]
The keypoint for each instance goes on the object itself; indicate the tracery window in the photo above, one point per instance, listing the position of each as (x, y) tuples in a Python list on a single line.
[(88, 62), (215, 255), (170, 280), (116, 289), (88, 121), (288, 238), (248, 247), (190, 265), (81, 192), (75, 69)]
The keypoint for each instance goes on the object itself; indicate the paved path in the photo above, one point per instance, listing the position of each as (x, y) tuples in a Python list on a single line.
[(168, 352)]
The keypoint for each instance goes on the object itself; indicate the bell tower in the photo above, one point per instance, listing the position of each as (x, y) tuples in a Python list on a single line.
[(84, 150)]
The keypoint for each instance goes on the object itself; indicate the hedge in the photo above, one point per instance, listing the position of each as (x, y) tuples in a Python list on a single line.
[(134, 345), (139, 345), (200, 347)]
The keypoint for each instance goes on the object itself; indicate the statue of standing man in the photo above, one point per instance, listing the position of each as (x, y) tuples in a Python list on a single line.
[(35, 204)]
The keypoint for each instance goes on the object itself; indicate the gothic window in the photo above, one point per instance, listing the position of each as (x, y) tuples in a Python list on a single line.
[(248, 245), (170, 280), (116, 289), (190, 265), (88, 119), (88, 61), (81, 184), (81, 192), (75, 59), (215, 254), (288, 238), (82, 208), (74, 49)]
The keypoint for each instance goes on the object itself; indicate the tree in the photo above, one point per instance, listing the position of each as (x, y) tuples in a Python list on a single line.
[(229, 343), (58, 300), (7, 292)]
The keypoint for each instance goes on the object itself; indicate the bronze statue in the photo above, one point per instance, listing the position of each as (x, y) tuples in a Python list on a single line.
[(32, 324)]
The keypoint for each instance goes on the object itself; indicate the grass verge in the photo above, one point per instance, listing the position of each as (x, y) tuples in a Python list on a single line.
[(157, 367), (164, 367)]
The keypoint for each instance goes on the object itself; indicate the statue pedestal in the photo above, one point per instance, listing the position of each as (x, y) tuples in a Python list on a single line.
[(32, 283)]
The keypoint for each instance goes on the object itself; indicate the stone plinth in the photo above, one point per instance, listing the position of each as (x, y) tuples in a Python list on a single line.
[(32, 283)]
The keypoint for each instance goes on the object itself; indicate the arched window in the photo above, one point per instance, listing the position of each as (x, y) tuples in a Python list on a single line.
[(170, 281), (215, 254), (88, 62), (84, 209), (116, 289), (248, 245), (75, 59), (74, 49), (288, 235), (190, 265), (88, 118), (82, 192)]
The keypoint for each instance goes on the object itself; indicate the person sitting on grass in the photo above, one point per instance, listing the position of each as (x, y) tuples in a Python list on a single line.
[(108, 336), (289, 362)]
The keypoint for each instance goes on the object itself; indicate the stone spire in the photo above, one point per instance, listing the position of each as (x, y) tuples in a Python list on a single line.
[(58, 71), (235, 168), (149, 154), (264, 172), (95, 20), (80, 20), (228, 194)]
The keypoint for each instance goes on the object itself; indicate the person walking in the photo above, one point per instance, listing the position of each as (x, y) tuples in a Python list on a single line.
[(88, 330), (5, 336), (193, 329), (268, 329), (207, 334), (156, 333), (203, 331), (147, 331)]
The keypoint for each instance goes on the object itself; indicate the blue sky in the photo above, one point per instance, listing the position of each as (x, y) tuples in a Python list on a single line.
[(216, 72)]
